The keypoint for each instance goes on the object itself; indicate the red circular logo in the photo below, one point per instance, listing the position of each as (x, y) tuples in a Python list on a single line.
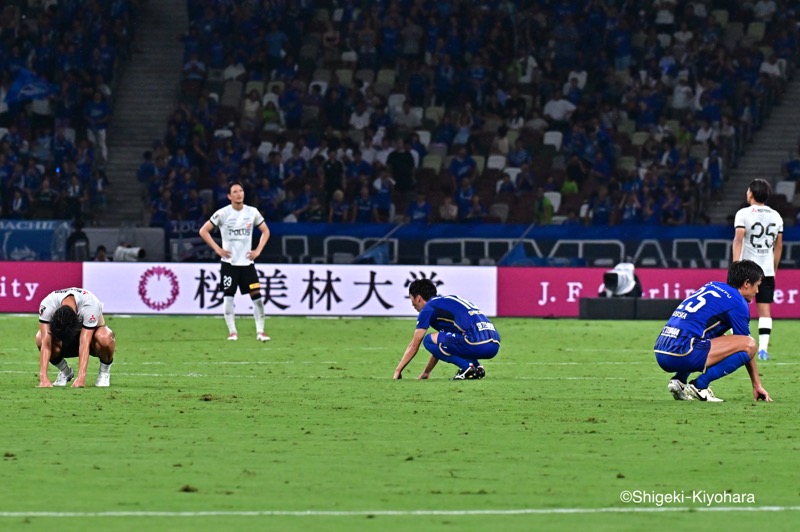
[(145, 289)]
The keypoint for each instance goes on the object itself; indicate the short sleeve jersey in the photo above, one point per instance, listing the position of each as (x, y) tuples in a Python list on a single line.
[(236, 228), (762, 225), (89, 308), (456, 315), (708, 313)]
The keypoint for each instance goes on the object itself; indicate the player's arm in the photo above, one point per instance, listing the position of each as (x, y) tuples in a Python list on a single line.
[(261, 241), (205, 234), (738, 241), (44, 354), (84, 342), (410, 353), (429, 367), (777, 250), (759, 393)]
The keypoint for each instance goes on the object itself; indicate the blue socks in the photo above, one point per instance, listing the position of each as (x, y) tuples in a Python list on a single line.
[(725, 367)]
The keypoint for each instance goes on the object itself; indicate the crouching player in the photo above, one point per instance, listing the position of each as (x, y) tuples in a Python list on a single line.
[(694, 340), (71, 324), (465, 336)]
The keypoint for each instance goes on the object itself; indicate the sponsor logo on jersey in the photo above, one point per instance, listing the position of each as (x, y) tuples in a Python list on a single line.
[(92, 319), (671, 332)]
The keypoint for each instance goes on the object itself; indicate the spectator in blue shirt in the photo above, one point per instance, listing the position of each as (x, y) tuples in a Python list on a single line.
[(419, 211)]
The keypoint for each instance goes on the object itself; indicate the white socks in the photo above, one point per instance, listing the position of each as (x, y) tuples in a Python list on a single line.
[(258, 314), (105, 368), (764, 330), (230, 317)]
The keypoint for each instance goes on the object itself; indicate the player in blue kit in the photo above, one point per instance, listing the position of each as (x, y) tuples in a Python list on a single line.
[(694, 337), (465, 335)]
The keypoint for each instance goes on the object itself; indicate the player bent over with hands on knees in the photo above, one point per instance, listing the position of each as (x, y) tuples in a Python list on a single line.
[(71, 324), (694, 337), (464, 335)]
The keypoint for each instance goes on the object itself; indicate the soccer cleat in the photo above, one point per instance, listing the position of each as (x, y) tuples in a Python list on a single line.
[(704, 395), (480, 372), (64, 378), (261, 337), (678, 390), (103, 380), (233, 336), (467, 373), (762, 354)]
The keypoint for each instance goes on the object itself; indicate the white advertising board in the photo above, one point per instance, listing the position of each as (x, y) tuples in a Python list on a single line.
[(287, 289)]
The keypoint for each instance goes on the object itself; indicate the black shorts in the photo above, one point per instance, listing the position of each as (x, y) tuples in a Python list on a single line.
[(70, 349), (244, 278), (766, 290)]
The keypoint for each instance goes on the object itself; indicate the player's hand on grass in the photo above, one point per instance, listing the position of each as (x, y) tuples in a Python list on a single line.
[(760, 394), (44, 382), (398, 375), (424, 375), (80, 382)]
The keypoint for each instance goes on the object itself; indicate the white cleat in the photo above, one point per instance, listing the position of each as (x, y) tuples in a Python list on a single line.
[(261, 337), (64, 378), (704, 395), (103, 380), (233, 336), (678, 390)]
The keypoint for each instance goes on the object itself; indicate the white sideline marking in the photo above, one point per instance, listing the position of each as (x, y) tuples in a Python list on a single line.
[(408, 513)]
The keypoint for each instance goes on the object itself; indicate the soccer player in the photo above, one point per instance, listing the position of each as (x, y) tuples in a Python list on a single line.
[(464, 335), (694, 337), (236, 223), (759, 237), (71, 324)]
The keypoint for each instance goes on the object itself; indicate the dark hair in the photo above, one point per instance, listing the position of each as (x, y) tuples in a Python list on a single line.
[(742, 271), (422, 287), (65, 324), (233, 184), (760, 190)]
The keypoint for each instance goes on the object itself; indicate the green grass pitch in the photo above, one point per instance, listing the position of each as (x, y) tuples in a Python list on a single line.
[(309, 432)]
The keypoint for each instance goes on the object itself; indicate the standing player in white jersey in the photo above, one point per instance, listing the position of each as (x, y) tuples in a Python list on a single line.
[(236, 223), (759, 237), (71, 324)]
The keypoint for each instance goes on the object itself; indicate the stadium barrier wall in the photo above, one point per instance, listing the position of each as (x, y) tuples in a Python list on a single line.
[(349, 290), (288, 289), (556, 292), (23, 285)]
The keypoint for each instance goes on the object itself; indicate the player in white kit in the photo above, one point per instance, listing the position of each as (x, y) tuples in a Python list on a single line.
[(236, 223), (759, 237), (71, 324)]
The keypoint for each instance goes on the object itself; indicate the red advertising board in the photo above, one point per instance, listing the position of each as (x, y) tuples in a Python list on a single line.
[(556, 292), (24, 284)]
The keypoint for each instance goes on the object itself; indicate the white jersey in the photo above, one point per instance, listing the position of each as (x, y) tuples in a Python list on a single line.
[(89, 308), (236, 228), (761, 225)]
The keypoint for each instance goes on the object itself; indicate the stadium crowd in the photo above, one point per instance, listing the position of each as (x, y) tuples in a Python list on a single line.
[(58, 64), (450, 111)]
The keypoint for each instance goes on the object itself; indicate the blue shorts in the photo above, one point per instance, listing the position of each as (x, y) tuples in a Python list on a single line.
[(455, 344), (693, 360)]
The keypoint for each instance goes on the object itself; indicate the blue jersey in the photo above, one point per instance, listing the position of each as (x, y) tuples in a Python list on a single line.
[(708, 313), (456, 315)]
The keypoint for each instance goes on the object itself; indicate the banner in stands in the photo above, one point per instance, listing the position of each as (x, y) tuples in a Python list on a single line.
[(287, 289), (33, 239), (23, 285), (556, 292)]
